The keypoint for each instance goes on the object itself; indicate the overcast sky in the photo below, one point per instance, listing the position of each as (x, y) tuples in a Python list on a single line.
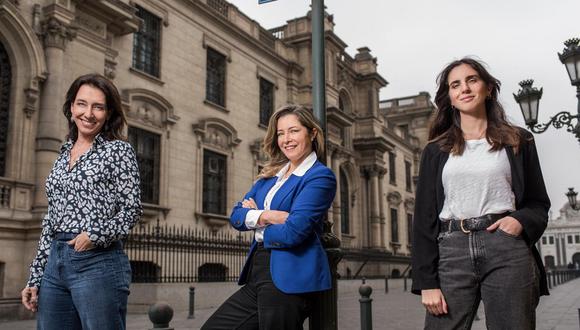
[(413, 40)]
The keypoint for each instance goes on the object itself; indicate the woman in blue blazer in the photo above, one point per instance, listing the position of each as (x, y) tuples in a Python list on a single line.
[(285, 209)]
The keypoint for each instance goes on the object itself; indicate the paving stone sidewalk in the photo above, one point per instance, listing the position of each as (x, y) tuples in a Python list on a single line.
[(397, 310)]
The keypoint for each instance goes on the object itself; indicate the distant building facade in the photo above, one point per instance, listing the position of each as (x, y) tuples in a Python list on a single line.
[(560, 244), (199, 80)]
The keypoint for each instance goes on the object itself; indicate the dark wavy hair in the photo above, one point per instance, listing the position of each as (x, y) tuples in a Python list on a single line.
[(446, 126), (115, 122)]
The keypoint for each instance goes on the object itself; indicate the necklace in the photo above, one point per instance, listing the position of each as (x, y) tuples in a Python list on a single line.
[(478, 136)]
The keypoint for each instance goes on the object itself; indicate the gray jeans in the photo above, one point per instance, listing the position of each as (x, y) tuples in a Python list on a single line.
[(496, 268)]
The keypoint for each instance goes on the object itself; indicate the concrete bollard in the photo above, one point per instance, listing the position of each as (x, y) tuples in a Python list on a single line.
[(191, 302), (160, 314), (405, 283), (366, 314), (386, 283)]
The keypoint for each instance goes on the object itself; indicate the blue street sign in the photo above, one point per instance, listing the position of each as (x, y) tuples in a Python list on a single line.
[(264, 1)]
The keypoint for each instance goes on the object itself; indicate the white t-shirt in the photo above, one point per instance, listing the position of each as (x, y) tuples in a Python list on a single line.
[(476, 183)]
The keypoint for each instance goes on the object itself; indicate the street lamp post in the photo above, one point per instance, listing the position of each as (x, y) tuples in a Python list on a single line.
[(528, 97), (325, 311), (571, 194)]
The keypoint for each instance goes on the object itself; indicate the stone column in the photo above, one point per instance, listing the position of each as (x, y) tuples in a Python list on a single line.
[(50, 118), (381, 206), (375, 209)]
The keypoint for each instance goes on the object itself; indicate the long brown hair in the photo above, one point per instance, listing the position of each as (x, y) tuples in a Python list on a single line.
[(446, 127), (115, 122), (277, 159)]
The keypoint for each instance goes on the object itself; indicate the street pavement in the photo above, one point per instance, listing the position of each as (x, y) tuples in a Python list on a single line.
[(397, 310)]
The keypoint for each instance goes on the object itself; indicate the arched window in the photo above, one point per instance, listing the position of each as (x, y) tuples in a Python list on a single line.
[(5, 80), (344, 204), (344, 103)]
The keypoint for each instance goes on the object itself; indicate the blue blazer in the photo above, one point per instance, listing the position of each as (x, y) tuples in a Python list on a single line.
[(298, 262)]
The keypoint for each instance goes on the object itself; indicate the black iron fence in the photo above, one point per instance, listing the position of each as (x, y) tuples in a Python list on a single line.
[(171, 254)]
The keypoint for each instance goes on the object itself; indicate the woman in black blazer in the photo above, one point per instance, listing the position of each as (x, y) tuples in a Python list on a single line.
[(481, 205)]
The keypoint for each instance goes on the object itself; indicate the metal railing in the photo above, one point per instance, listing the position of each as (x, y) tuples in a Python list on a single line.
[(5, 189), (171, 254)]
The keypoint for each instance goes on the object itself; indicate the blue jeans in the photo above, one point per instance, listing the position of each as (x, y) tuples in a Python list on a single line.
[(496, 268), (84, 290)]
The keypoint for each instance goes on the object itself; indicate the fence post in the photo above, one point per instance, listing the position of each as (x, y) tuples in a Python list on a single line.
[(366, 314), (160, 314), (405, 283), (387, 283), (191, 302)]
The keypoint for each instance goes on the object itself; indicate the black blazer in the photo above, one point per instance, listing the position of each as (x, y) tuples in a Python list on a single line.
[(532, 205)]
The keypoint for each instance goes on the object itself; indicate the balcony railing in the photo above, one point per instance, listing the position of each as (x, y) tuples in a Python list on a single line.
[(221, 6), (278, 32), (5, 190)]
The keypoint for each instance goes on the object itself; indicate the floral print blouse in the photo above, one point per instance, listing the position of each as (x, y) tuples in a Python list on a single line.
[(100, 195)]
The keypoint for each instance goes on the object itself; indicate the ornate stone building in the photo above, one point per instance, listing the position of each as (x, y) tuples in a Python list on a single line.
[(560, 244), (199, 80)]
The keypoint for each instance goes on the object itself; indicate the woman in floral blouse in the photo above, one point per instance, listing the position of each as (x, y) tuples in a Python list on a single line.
[(80, 276)]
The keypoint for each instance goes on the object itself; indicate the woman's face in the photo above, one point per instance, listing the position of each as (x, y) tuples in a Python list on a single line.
[(89, 111), (294, 139), (467, 90)]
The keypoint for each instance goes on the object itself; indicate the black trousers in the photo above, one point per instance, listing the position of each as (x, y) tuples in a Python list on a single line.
[(259, 304)]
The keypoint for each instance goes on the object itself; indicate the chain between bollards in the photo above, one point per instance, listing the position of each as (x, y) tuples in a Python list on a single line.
[(191, 302), (366, 314)]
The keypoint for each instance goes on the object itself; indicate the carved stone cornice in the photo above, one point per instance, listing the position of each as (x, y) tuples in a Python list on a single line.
[(372, 170), (149, 108), (257, 151), (218, 133), (30, 105), (120, 18), (339, 117), (409, 204), (56, 33), (394, 198)]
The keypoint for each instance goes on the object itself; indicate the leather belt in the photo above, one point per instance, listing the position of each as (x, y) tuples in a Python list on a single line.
[(471, 224)]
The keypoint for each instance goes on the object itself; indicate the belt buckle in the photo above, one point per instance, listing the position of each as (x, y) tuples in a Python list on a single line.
[(465, 231)]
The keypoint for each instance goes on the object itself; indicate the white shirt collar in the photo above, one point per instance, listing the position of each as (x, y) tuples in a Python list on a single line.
[(306, 164)]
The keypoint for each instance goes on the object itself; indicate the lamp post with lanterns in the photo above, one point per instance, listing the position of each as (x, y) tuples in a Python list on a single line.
[(571, 194), (528, 97)]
